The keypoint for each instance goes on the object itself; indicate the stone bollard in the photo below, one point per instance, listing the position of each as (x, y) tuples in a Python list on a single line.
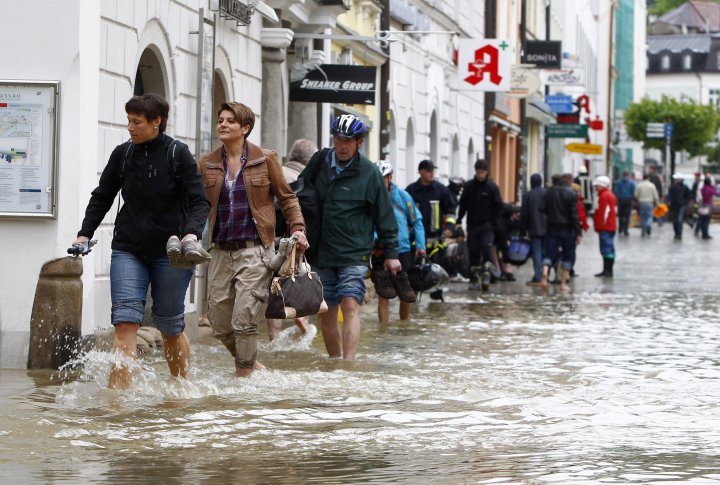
[(55, 323)]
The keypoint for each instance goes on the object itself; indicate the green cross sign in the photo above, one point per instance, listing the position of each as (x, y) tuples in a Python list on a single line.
[(504, 45)]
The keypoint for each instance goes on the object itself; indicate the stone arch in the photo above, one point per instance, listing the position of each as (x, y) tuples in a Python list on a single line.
[(471, 158), (455, 161), (154, 47), (410, 161)]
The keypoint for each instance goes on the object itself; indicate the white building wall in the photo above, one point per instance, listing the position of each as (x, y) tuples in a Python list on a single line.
[(93, 48), (424, 80)]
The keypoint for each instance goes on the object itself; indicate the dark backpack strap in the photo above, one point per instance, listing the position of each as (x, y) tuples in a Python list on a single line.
[(318, 168), (126, 156), (172, 158)]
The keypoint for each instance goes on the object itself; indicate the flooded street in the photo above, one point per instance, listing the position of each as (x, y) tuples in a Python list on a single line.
[(616, 383)]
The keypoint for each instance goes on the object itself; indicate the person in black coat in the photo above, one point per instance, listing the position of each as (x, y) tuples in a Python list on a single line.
[(481, 201), (533, 222), (163, 196), (678, 197)]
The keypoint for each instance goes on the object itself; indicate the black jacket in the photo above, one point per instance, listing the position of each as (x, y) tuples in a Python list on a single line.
[(559, 204), (533, 221), (159, 199), (678, 196), (423, 195), (481, 201)]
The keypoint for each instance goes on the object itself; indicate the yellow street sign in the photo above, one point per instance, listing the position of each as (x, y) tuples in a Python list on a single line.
[(587, 148)]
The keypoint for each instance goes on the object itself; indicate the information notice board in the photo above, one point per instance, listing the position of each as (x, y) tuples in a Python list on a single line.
[(28, 148)]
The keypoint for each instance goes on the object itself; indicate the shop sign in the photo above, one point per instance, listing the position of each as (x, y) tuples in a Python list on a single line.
[(523, 82), (566, 131), (559, 103), (562, 77), (484, 64), (571, 118), (237, 10), (335, 83), (544, 54)]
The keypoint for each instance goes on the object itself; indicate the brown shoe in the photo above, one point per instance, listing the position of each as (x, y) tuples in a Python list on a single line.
[(383, 284), (402, 287)]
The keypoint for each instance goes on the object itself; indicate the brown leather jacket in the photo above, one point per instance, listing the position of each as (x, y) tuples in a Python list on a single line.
[(264, 180)]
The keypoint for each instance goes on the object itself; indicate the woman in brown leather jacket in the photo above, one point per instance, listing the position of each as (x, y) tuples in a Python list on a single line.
[(242, 181)]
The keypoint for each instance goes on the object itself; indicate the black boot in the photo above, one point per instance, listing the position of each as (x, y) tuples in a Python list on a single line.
[(607, 268)]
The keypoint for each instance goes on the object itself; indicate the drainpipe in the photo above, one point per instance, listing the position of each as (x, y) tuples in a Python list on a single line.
[(611, 61)]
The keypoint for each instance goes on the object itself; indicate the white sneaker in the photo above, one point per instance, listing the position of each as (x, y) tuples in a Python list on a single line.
[(458, 278)]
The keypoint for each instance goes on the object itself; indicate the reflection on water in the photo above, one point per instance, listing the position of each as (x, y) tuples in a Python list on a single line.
[(587, 388)]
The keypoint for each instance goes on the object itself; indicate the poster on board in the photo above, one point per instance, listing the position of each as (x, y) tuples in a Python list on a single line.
[(28, 148)]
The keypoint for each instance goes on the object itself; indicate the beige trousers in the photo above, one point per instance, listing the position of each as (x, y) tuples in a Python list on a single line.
[(238, 284)]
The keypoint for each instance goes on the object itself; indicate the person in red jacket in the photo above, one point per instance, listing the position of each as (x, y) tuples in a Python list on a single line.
[(605, 222)]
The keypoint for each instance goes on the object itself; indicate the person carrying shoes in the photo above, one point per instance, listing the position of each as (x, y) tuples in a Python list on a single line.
[(354, 202), (408, 218), (163, 195), (241, 181)]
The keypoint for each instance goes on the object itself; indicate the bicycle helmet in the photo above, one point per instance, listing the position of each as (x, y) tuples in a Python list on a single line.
[(385, 167), (348, 126)]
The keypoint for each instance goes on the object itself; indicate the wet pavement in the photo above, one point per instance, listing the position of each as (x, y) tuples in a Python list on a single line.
[(617, 382)]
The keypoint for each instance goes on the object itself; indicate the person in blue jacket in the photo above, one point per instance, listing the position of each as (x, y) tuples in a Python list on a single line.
[(409, 219), (625, 193)]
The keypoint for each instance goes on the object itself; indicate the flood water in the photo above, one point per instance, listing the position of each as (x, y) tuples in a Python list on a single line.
[(614, 383)]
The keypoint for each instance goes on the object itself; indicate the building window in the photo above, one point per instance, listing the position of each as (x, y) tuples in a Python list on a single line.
[(714, 97), (665, 62), (687, 62)]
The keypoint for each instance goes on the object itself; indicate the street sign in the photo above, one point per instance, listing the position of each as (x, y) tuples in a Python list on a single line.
[(566, 131), (655, 130), (668, 130), (587, 148), (559, 103)]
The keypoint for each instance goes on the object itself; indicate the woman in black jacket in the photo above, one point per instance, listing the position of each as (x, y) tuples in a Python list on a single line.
[(163, 196)]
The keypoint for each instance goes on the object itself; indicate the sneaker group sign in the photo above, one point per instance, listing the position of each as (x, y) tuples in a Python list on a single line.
[(484, 64)]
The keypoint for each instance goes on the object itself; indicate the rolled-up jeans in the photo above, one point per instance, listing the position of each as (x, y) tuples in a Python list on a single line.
[(555, 239), (238, 282), (646, 216)]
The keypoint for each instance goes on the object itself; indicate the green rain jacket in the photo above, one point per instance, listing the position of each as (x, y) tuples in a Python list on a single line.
[(355, 203)]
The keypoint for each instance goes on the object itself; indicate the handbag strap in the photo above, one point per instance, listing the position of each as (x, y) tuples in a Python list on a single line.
[(292, 261)]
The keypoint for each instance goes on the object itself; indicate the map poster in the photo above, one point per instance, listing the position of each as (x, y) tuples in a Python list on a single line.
[(28, 141)]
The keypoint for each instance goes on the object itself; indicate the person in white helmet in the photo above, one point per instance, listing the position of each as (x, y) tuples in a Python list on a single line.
[(408, 219), (605, 222)]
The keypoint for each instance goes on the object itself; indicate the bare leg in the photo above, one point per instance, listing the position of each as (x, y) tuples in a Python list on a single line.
[(564, 276), (274, 328), (245, 372), (404, 310), (177, 354), (331, 332), (351, 327), (124, 341), (302, 324), (383, 310), (545, 275)]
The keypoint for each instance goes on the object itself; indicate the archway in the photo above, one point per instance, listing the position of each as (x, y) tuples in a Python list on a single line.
[(433, 138), (150, 77), (455, 162), (219, 97), (471, 159), (410, 165)]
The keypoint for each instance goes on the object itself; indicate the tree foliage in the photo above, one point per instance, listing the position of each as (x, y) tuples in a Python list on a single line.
[(694, 125), (661, 7)]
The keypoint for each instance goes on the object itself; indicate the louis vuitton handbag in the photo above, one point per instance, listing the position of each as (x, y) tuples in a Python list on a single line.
[(296, 291)]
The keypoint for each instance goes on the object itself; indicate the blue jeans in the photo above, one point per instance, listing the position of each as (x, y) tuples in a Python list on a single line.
[(607, 244), (129, 280), (556, 239), (646, 217), (339, 283), (537, 255)]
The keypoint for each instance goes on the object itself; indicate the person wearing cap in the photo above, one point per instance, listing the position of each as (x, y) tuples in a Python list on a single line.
[(586, 190), (678, 197), (605, 222), (355, 206), (438, 212)]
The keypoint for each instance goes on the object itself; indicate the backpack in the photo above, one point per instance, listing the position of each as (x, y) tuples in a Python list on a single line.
[(170, 155), (304, 189), (519, 250)]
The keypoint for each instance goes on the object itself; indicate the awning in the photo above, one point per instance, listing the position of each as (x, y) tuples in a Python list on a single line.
[(538, 109)]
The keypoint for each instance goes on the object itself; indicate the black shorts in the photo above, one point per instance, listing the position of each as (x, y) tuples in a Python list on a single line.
[(406, 260)]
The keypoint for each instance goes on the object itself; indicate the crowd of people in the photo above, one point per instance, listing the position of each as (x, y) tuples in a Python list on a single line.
[(243, 199)]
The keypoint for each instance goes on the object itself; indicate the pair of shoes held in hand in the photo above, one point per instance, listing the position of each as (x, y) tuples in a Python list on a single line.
[(185, 254), (389, 286)]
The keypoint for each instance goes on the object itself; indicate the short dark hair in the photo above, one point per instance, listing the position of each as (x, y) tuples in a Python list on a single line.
[(481, 165), (556, 179), (151, 106), (243, 114)]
